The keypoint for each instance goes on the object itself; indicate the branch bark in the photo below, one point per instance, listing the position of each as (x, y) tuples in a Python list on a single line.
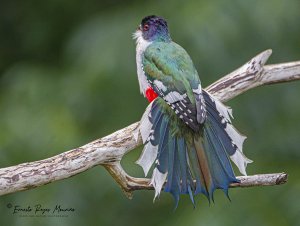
[(108, 151)]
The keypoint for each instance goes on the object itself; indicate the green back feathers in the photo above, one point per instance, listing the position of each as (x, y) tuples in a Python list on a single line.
[(169, 63)]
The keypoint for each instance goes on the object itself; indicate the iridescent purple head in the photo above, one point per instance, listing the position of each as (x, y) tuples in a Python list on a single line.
[(155, 28)]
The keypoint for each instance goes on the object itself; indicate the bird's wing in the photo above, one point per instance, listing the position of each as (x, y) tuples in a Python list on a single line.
[(171, 73)]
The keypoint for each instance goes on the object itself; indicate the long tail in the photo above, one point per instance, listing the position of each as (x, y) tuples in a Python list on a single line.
[(182, 156)]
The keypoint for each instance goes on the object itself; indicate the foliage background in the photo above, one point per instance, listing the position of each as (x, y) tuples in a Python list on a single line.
[(68, 76)]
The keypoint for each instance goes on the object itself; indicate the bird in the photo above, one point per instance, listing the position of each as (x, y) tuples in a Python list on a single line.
[(187, 133)]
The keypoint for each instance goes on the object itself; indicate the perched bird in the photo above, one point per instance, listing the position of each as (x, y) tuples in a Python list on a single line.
[(187, 132)]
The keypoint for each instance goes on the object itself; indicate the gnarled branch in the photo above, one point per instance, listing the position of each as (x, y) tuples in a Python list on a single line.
[(108, 151)]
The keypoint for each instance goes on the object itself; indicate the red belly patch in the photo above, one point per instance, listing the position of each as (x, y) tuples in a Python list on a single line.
[(150, 94)]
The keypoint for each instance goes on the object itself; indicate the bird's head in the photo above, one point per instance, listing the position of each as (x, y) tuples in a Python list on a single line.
[(153, 28)]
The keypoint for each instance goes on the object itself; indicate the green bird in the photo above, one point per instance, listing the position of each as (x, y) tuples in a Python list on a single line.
[(187, 132)]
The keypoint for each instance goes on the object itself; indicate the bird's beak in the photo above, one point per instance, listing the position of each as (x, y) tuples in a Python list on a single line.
[(139, 28)]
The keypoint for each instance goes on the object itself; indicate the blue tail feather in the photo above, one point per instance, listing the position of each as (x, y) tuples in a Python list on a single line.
[(173, 179), (218, 126), (220, 167), (156, 120), (197, 172), (162, 154), (193, 162), (216, 142), (181, 150)]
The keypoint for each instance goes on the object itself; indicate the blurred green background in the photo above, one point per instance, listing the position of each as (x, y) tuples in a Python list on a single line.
[(68, 76)]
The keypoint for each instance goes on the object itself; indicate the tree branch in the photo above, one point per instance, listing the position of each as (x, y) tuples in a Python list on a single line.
[(108, 151)]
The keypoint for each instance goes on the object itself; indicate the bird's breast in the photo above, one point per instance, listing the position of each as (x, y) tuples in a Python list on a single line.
[(140, 49)]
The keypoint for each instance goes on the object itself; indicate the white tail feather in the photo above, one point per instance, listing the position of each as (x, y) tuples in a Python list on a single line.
[(224, 110), (241, 161), (147, 157), (158, 179), (237, 138), (145, 127)]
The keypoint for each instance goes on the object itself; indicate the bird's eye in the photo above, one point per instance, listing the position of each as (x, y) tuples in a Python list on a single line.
[(146, 27)]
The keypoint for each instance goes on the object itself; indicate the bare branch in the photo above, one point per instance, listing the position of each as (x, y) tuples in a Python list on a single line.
[(108, 151), (129, 184)]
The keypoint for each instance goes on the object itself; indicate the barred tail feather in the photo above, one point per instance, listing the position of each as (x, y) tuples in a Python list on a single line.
[(218, 120), (151, 120), (193, 162), (169, 153)]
